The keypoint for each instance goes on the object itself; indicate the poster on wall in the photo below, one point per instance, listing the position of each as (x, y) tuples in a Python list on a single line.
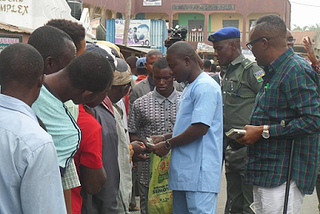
[(6, 40), (151, 2), (138, 35)]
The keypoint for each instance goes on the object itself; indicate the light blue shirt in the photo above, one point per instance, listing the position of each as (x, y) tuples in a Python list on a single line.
[(60, 125), (197, 165), (30, 181)]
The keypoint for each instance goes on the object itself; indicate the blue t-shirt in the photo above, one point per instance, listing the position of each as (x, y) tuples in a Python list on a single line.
[(197, 165), (60, 125)]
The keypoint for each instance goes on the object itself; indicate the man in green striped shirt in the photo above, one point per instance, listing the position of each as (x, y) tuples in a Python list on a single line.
[(287, 108)]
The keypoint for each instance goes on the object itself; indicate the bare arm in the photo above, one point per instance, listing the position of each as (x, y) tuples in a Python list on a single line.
[(192, 133), (91, 179), (134, 137), (310, 52), (253, 134), (137, 156)]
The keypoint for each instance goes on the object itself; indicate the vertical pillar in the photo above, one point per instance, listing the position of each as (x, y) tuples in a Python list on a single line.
[(206, 28), (103, 17), (170, 20), (113, 14), (244, 32), (91, 12)]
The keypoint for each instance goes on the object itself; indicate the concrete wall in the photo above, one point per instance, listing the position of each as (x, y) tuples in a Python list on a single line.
[(211, 12)]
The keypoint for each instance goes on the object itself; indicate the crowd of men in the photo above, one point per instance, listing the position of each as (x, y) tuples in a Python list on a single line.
[(79, 124)]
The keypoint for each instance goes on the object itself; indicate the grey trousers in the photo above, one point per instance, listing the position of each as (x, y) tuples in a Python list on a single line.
[(143, 191), (239, 193)]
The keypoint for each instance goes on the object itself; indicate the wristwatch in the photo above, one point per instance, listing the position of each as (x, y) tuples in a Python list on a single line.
[(265, 133), (167, 145)]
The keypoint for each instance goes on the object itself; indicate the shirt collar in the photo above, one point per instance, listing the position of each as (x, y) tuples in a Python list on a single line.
[(118, 109), (151, 82), (238, 60), (45, 85), (107, 104), (160, 98), (281, 59), (15, 104)]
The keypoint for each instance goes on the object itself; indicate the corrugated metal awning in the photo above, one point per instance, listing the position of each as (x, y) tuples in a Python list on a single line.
[(14, 29), (135, 49)]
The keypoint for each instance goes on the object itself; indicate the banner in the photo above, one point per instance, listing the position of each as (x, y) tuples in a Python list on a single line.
[(6, 40), (151, 2), (138, 35)]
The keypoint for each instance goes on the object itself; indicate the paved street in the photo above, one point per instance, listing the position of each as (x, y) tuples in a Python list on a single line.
[(310, 203)]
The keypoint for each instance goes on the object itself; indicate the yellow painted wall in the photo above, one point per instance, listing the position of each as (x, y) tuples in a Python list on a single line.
[(176, 16), (109, 14), (217, 18)]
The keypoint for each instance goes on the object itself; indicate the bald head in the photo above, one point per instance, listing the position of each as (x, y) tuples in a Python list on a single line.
[(21, 65)]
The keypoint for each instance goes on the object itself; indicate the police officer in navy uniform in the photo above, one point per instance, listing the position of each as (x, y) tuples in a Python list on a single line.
[(240, 84)]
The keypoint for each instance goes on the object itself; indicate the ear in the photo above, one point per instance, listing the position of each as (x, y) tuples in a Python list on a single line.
[(86, 94), (265, 43), (48, 65), (187, 60), (233, 45), (40, 81)]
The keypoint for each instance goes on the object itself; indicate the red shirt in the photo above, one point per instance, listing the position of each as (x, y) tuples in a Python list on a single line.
[(141, 77), (89, 153)]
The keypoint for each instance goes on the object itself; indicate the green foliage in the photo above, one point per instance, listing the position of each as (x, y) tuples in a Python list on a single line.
[(315, 27)]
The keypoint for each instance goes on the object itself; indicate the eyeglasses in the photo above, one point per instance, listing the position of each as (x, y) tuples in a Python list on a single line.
[(249, 45), (292, 40)]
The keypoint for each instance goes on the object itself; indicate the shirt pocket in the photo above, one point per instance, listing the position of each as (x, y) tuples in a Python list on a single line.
[(276, 99)]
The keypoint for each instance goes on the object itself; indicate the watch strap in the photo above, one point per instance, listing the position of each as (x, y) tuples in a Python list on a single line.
[(168, 145)]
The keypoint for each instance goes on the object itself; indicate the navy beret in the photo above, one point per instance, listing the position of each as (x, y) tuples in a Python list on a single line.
[(224, 33)]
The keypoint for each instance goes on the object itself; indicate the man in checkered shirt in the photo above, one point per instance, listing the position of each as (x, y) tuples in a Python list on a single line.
[(154, 114)]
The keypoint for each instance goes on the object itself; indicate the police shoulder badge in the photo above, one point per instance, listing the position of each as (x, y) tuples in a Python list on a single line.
[(258, 75)]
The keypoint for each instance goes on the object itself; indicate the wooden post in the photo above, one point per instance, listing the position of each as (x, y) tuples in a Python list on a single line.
[(127, 23)]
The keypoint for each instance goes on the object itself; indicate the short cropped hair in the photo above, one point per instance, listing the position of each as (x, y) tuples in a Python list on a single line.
[(131, 60), (183, 49), (207, 63), (51, 41), (271, 25), (155, 52), (20, 63), (90, 71), (73, 29), (160, 63), (213, 68)]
